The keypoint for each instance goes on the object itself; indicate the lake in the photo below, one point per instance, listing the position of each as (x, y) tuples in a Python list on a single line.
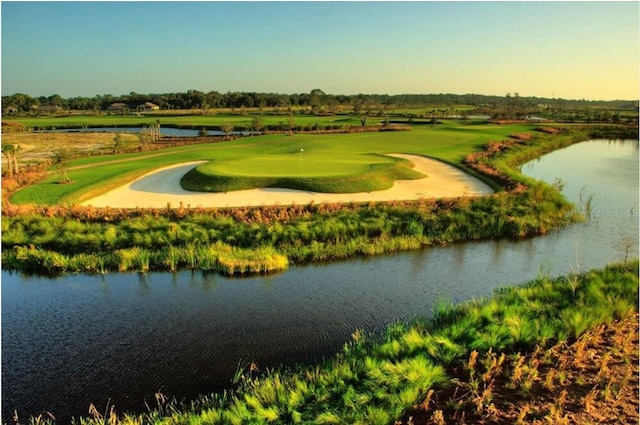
[(119, 338)]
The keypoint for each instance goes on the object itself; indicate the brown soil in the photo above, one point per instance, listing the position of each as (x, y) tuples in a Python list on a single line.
[(592, 381)]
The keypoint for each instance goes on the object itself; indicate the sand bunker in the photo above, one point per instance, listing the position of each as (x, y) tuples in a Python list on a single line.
[(160, 187)]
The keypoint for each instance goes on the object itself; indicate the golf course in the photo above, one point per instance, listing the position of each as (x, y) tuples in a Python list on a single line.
[(257, 204), (325, 163)]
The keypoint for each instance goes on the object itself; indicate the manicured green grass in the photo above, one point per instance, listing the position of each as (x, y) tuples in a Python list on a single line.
[(304, 170), (189, 121), (450, 142), (295, 164)]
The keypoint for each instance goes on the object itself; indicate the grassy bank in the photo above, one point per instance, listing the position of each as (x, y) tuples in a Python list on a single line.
[(377, 379)]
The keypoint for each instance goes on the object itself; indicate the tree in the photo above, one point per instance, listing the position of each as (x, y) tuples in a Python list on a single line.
[(316, 99), (60, 160), (357, 107), (117, 143), (16, 149), (291, 125), (19, 100), (9, 150), (155, 131), (144, 137), (256, 124), (226, 128)]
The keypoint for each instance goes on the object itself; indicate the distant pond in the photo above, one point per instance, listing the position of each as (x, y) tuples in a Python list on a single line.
[(164, 131), (119, 338)]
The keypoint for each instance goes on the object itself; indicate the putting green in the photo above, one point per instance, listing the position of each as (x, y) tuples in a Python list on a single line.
[(317, 172), (299, 164)]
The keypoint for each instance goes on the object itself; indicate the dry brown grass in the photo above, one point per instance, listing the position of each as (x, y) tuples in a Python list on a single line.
[(39, 147), (592, 381)]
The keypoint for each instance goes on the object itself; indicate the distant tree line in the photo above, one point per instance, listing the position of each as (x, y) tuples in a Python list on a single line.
[(316, 100)]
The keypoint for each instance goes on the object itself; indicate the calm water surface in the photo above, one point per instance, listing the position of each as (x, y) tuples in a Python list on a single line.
[(165, 131), (76, 340)]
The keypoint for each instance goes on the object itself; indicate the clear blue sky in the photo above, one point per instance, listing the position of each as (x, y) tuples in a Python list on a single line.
[(572, 50)]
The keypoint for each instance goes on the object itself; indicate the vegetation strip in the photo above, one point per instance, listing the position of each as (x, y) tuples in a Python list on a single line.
[(377, 379)]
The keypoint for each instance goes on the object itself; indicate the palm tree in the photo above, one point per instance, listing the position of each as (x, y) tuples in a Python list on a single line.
[(17, 149), (9, 149), (60, 160)]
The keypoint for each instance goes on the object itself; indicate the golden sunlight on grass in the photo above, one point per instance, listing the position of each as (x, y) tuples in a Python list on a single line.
[(593, 380)]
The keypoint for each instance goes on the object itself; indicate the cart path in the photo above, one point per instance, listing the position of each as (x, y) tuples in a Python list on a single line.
[(162, 186)]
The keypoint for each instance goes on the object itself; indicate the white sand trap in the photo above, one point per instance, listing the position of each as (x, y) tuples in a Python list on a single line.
[(160, 187)]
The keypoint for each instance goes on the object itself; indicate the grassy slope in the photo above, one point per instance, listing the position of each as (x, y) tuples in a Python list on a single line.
[(450, 142)]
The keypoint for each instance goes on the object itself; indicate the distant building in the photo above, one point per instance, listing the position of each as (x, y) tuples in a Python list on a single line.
[(49, 109), (118, 107), (148, 106), (10, 110)]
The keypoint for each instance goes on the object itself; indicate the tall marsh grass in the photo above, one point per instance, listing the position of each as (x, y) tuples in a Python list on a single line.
[(217, 257)]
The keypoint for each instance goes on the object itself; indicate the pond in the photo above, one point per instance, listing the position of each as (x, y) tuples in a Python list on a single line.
[(120, 338), (164, 131)]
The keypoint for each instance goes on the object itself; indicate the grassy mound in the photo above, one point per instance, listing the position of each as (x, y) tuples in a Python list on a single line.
[(316, 172)]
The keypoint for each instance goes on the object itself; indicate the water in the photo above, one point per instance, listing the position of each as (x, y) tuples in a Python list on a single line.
[(76, 340), (164, 131)]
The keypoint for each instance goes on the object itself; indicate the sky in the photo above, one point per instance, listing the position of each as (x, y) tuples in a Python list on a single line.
[(570, 50)]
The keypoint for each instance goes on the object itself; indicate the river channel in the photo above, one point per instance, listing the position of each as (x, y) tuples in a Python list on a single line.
[(119, 338)]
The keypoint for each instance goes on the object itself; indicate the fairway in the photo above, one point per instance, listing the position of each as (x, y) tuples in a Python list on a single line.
[(347, 153), (186, 121)]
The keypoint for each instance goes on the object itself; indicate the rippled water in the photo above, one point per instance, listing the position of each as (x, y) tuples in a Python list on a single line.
[(75, 340)]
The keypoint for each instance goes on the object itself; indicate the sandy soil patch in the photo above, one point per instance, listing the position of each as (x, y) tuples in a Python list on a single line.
[(160, 187)]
